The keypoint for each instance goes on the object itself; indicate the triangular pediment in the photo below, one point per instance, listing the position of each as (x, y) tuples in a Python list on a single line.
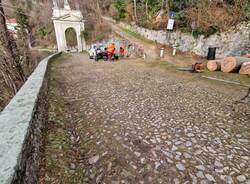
[(70, 17), (67, 15)]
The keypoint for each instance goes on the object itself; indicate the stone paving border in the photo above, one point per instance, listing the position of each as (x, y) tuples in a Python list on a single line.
[(21, 125)]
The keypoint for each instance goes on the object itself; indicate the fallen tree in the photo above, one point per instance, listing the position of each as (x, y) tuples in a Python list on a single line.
[(232, 64), (214, 65), (245, 69)]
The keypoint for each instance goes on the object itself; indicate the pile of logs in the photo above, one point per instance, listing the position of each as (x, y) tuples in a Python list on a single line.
[(230, 64)]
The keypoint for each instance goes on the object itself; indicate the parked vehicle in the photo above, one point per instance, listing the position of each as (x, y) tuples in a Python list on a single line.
[(98, 54), (101, 54), (105, 55), (93, 48)]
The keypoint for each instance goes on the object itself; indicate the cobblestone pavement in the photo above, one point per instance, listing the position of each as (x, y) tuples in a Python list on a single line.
[(128, 122)]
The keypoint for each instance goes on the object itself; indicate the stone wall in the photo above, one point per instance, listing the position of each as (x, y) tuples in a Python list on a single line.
[(235, 42), (21, 129)]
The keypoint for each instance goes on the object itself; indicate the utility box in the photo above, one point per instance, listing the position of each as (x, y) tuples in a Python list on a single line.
[(211, 53)]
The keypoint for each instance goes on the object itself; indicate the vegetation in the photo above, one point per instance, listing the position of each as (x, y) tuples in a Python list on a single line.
[(200, 17), (136, 35), (85, 34), (11, 69), (121, 12)]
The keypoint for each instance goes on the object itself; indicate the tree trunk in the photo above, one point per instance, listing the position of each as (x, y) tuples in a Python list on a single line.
[(23, 35), (214, 65), (168, 8), (232, 64), (99, 11), (9, 76), (135, 10), (30, 37), (146, 7), (245, 69), (9, 45)]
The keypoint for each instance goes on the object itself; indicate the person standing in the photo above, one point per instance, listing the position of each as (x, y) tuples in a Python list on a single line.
[(122, 52), (111, 50)]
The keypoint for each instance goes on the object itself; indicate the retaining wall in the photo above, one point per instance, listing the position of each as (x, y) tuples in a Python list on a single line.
[(234, 42), (21, 129)]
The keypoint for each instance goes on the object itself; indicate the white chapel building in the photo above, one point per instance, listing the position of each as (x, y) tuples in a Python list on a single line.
[(64, 18)]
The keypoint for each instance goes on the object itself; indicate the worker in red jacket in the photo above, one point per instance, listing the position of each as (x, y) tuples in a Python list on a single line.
[(122, 52)]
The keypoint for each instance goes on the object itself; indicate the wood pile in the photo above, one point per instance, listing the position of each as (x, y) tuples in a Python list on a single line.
[(214, 65), (245, 68), (231, 64)]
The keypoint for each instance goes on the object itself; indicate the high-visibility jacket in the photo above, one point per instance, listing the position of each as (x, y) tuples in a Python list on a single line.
[(111, 49), (122, 51)]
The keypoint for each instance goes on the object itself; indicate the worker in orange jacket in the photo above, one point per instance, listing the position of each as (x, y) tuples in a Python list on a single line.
[(111, 50)]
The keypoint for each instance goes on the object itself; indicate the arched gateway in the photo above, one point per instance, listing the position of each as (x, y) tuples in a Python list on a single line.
[(66, 18)]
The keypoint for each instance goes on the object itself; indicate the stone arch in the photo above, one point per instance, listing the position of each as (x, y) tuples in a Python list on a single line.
[(71, 38), (66, 18)]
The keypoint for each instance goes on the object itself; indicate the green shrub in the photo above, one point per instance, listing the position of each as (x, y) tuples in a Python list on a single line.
[(42, 32), (197, 32), (120, 7), (212, 30), (85, 34), (99, 38), (21, 18)]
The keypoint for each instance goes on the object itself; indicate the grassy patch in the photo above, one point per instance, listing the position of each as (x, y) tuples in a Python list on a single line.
[(234, 77), (44, 53), (59, 58), (136, 35), (244, 80), (84, 52)]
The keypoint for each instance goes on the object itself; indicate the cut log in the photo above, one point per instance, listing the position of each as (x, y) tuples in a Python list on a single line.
[(214, 65), (232, 64), (245, 69)]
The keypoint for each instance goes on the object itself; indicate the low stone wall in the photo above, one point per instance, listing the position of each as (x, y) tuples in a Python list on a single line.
[(232, 43), (21, 129)]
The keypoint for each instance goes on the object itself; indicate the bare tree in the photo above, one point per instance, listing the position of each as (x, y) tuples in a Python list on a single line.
[(146, 7), (168, 7), (9, 45), (135, 9), (163, 4)]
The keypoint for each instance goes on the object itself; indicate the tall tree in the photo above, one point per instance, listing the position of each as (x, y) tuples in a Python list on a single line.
[(146, 7), (168, 6), (135, 9), (9, 45), (163, 4), (24, 35)]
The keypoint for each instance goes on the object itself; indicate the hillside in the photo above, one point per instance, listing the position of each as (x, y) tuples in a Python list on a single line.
[(199, 17)]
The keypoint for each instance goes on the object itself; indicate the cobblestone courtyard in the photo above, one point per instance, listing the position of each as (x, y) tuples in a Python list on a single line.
[(130, 122)]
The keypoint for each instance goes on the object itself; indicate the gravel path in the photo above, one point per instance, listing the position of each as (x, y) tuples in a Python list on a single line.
[(129, 122)]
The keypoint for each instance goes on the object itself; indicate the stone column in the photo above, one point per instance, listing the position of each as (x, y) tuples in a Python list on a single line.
[(79, 39), (58, 36), (84, 47)]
